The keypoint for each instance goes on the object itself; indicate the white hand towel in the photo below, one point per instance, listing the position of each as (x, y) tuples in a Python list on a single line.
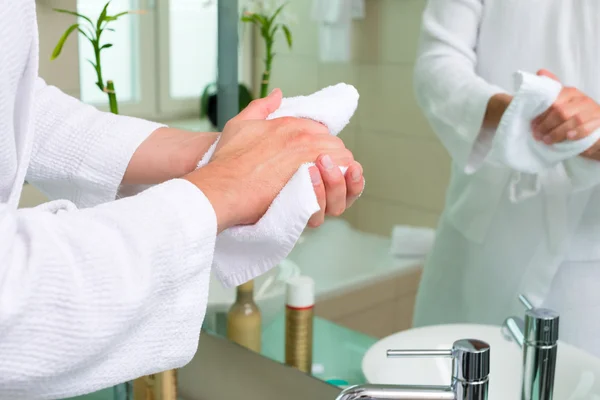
[(244, 252), (514, 144), (411, 241)]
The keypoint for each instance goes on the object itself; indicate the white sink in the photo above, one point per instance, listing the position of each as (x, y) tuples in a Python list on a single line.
[(577, 373)]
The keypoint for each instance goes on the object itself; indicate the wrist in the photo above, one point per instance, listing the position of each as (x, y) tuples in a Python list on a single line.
[(496, 107), (216, 187), (166, 154)]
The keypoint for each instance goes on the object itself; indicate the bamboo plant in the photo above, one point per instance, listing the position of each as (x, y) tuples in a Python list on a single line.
[(268, 26), (92, 31)]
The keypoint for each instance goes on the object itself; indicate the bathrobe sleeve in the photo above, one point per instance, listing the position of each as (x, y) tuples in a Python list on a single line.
[(93, 297), (452, 96), (80, 153)]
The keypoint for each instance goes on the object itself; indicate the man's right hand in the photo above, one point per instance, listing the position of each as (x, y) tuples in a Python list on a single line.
[(256, 160)]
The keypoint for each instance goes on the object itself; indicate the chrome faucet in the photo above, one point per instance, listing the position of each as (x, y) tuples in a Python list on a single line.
[(470, 376), (537, 335)]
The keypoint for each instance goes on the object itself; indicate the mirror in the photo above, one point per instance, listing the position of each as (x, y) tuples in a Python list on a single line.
[(467, 205)]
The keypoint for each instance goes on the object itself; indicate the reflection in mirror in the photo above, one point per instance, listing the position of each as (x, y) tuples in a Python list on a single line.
[(477, 130)]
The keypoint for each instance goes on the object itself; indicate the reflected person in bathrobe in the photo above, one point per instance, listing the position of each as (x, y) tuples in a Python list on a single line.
[(96, 291), (490, 249)]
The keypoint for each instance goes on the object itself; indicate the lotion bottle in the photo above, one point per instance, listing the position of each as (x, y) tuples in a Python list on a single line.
[(244, 319)]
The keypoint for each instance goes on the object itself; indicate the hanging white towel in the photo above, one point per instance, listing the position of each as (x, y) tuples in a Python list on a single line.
[(242, 253), (514, 144), (335, 27)]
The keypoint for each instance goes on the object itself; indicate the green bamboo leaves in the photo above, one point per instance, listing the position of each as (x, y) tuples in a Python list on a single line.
[(62, 40), (268, 27), (92, 31)]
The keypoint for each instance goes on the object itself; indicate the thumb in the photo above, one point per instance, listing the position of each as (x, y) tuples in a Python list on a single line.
[(545, 72), (261, 108)]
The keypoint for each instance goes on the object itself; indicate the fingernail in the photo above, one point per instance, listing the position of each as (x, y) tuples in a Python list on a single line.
[(572, 134), (537, 136), (548, 139), (315, 176), (327, 163), (356, 175)]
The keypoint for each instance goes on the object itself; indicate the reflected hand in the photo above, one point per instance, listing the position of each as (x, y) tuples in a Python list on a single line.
[(573, 116)]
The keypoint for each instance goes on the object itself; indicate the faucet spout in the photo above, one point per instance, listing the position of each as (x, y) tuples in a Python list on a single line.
[(396, 392), (537, 335), (469, 381)]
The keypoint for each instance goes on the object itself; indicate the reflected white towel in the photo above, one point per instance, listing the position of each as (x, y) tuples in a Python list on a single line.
[(514, 144), (411, 241), (244, 252)]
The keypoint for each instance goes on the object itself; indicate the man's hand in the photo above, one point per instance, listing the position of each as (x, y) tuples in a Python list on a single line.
[(247, 172), (335, 192), (573, 116)]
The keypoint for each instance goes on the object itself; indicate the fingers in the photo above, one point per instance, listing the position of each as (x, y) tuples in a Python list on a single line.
[(565, 96), (592, 155), (261, 108), (593, 152), (335, 192), (340, 156), (545, 72), (568, 118), (573, 129), (319, 217), (335, 186), (355, 183)]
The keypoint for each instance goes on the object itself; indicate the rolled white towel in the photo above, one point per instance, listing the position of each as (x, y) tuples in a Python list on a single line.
[(411, 241)]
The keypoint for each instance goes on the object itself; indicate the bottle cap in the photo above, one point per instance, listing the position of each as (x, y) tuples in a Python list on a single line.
[(300, 292)]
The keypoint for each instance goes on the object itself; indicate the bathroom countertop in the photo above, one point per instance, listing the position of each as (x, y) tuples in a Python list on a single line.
[(222, 370), (337, 350)]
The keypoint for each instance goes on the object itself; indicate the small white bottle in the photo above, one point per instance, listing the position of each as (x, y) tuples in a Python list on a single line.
[(299, 314)]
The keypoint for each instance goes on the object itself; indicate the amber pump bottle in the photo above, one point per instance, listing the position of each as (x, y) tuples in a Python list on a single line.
[(299, 314), (244, 319), (161, 386)]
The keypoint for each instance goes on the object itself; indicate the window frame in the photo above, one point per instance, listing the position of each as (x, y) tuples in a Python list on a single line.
[(153, 67)]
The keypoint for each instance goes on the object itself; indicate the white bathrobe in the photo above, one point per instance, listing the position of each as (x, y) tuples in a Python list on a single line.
[(488, 249), (94, 296)]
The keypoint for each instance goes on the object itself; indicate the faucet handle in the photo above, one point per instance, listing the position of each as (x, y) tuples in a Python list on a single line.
[(525, 301), (470, 358)]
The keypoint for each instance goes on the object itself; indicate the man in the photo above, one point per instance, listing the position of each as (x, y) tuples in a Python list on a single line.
[(113, 290), (489, 249)]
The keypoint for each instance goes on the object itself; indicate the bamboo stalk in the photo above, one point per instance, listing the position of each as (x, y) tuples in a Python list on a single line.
[(112, 97)]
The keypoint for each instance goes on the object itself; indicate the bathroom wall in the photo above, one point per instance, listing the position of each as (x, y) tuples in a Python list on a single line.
[(406, 168), (64, 71)]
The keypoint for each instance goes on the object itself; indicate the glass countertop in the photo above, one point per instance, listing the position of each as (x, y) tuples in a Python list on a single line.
[(337, 355)]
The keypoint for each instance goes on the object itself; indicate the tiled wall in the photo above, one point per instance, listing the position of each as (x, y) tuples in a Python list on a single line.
[(406, 167), (64, 71)]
